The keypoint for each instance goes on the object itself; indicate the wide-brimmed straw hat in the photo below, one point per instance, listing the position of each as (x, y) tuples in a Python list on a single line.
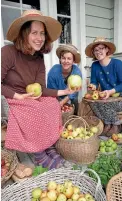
[(53, 27), (97, 41), (70, 48)]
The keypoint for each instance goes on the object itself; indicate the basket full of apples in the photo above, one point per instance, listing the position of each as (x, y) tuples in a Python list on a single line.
[(9, 163), (57, 185), (79, 141)]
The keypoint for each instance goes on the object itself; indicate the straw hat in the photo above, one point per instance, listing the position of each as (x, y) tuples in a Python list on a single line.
[(97, 41), (70, 48), (53, 27)]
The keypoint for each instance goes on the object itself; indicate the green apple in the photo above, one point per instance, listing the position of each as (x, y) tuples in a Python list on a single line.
[(36, 193), (114, 146), (102, 144), (108, 143), (34, 88), (102, 149), (115, 95), (94, 129), (88, 197)]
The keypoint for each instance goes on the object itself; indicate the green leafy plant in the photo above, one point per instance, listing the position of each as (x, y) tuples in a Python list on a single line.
[(39, 170)]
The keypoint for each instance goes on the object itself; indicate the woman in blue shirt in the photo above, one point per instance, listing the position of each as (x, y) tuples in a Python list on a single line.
[(59, 73), (106, 72)]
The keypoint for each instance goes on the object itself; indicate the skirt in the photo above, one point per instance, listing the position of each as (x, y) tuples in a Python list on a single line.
[(33, 125)]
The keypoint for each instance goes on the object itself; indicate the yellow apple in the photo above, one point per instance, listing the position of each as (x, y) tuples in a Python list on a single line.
[(44, 199), (75, 196), (34, 88), (68, 191), (76, 189), (69, 127), (52, 195), (52, 185), (60, 188), (44, 194), (64, 134), (61, 197)]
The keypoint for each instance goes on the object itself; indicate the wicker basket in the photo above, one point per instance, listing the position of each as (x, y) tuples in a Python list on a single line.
[(114, 188), (78, 150), (12, 158), (66, 115), (22, 191)]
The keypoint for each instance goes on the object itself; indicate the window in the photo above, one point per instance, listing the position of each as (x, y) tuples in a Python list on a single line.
[(10, 10), (64, 17)]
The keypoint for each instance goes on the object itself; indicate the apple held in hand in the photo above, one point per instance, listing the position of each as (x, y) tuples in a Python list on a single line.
[(74, 82), (102, 94), (34, 88)]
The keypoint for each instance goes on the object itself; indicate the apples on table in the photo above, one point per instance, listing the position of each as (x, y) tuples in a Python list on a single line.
[(107, 146), (60, 192), (117, 136)]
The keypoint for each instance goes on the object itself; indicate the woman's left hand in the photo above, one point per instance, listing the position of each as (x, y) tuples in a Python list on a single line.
[(108, 93)]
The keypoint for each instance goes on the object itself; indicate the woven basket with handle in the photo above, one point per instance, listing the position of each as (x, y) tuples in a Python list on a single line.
[(82, 151), (22, 191), (9, 156), (114, 188)]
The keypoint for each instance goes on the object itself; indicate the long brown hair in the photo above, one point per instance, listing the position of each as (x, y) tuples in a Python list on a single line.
[(21, 42)]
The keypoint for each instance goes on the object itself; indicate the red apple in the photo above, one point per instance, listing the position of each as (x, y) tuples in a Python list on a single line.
[(87, 96)]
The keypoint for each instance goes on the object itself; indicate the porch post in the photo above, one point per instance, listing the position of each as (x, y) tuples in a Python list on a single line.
[(82, 42), (48, 7), (2, 36), (118, 25)]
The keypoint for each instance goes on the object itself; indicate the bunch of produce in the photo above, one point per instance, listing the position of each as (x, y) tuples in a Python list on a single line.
[(79, 133), (117, 137), (22, 171), (96, 94), (106, 167), (66, 108), (60, 192), (5, 166), (108, 146), (74, 82)]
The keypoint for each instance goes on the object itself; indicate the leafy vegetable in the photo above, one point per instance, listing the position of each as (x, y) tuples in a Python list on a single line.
[(39, 170), (106, 167)]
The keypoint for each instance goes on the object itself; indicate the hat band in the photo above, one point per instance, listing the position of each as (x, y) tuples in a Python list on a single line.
[(33, 15)]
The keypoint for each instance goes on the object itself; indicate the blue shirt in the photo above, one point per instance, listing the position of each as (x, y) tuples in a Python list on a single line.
[(109, 76), (56, 80)]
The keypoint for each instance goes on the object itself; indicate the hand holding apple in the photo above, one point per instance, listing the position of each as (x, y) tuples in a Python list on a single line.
[(34, 88)]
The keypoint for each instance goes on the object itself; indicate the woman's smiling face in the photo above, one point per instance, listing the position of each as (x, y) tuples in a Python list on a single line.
[(100, 51), (36, 37), (67, 60)]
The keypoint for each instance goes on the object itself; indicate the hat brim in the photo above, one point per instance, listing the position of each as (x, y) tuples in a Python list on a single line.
[(89, 48), (53, 27), (76, 54)]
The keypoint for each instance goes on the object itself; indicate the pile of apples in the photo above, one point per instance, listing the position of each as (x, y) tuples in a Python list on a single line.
[(60, 192), (107, 146), (78, 133), (5, 166), (96, 94), (117, 137), (66, 108)]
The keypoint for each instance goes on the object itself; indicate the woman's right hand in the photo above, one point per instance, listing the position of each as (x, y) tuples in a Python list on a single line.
[(24, 96), (91, 87)]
